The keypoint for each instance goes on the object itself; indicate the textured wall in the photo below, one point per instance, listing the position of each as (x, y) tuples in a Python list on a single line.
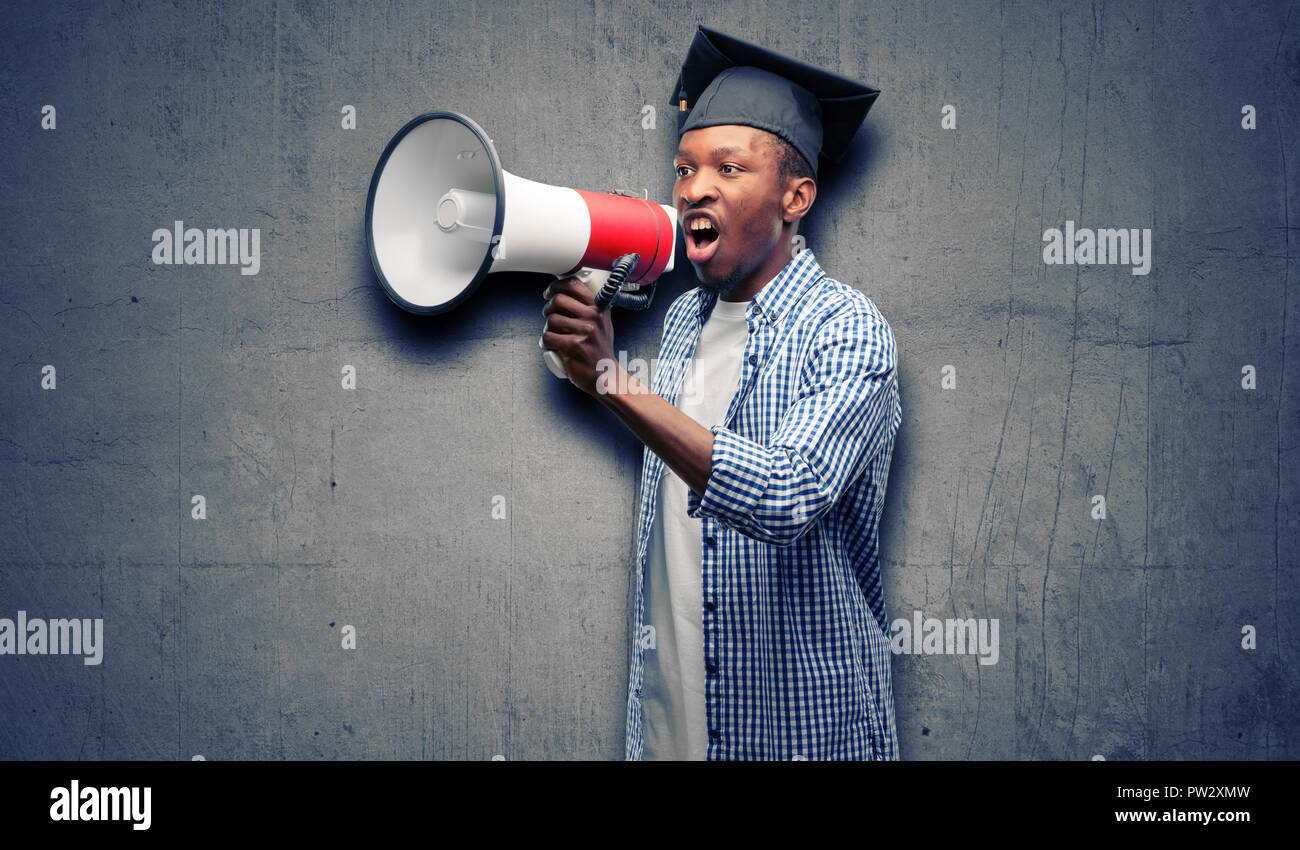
[(373, 507)]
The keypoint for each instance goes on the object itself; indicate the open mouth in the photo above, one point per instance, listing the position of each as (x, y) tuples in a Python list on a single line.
[(701, 238)]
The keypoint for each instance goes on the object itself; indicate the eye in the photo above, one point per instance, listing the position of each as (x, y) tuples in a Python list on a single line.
[(732, 167), (682, 170)]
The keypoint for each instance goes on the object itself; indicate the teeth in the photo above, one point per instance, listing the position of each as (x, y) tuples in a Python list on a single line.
[(700, 224)]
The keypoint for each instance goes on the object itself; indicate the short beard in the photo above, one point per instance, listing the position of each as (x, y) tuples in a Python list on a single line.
[(725, 287)]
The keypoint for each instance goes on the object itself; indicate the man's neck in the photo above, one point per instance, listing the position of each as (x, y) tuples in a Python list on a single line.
[(764, 275)]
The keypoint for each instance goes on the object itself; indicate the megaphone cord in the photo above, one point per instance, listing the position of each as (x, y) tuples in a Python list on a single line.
[(622, 268)]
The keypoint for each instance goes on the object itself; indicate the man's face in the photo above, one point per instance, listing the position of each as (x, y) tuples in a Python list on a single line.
[(728, 197)]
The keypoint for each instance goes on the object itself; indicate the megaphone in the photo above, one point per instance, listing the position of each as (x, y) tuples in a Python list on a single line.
[(442, 214)]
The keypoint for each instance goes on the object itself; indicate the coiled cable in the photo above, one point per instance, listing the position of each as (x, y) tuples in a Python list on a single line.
[(622, 268)]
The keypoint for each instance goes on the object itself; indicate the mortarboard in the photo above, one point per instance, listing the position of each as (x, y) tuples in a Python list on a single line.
[(728, 81)]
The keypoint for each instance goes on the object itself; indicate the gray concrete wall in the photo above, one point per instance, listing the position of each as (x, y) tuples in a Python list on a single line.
[(1120, 637)]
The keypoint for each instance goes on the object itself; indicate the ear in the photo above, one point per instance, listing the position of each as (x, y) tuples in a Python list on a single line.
[(798, 198)]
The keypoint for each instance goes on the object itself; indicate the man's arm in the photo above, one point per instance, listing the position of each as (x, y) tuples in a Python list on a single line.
[(682, 443), (584, 338)]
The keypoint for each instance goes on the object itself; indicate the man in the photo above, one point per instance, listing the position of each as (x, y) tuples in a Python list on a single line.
[(760, 630)]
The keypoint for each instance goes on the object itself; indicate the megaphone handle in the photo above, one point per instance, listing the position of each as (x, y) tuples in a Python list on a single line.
[(594, 279)]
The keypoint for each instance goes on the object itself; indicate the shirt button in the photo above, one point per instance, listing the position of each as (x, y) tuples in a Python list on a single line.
[(712, 669), (715, 734), (753, 358), (710, 541), (709, 605), (638, 693)]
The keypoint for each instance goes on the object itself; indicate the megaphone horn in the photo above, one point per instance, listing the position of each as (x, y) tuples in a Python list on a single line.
[(442, 214)]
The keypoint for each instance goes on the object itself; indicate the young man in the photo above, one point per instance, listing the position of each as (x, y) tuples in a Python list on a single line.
[(760, 630)]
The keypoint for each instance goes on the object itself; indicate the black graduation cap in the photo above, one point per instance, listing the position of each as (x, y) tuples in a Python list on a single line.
[(728, 81)]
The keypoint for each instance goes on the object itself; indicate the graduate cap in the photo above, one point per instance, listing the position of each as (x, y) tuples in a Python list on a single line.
[(725, 80)]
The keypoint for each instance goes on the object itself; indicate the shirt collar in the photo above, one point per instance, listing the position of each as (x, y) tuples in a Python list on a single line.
[(778, 296)]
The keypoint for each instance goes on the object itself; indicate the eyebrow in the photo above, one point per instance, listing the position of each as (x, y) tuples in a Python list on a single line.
[(717, 153)]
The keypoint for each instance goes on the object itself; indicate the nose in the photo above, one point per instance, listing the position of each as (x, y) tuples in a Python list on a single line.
[(696, 188)]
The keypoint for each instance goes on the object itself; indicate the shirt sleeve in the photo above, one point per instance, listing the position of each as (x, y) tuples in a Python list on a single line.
[(839, 419)]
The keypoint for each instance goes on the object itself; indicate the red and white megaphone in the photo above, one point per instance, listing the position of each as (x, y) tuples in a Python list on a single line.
[(442, 214)]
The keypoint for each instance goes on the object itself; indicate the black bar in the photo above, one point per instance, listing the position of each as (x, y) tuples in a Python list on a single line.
[(440, 799)]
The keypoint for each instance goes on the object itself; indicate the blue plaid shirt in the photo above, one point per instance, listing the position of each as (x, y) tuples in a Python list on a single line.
[(796, 643)]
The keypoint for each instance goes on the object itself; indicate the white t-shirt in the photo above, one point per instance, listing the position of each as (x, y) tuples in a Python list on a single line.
[(674, 721)]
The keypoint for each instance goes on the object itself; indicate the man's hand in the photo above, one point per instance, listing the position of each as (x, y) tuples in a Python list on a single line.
[(577, 331)]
